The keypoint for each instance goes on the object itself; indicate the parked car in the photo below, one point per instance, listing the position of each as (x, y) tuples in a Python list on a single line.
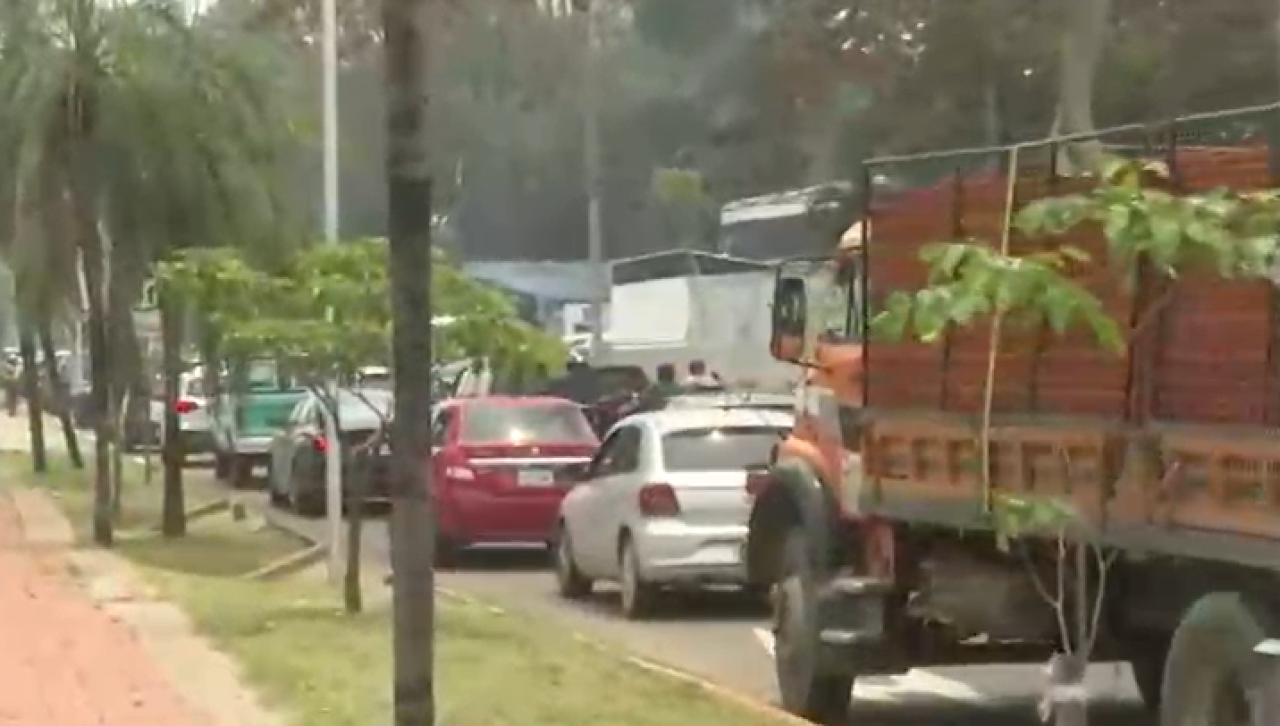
[(664, 503), (501, 465), (256, 405), (296, 470), (195, 420)]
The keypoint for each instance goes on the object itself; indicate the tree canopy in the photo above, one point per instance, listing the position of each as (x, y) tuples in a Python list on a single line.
[(326, 313)]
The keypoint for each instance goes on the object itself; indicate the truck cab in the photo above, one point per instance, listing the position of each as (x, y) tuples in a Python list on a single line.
[(247, 416)]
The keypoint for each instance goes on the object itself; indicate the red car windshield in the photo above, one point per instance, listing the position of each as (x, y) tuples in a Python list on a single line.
[(542, 423)]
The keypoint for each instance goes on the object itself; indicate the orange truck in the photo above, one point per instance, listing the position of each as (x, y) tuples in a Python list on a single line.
[(872, 525)]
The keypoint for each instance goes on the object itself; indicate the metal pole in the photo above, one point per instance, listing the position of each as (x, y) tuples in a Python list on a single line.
[(591, 140), (333, 455), (330, 120)]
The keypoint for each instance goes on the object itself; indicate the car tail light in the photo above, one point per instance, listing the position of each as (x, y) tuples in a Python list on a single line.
[(658, 500), (757, 482), (320, 444), (185, 406)]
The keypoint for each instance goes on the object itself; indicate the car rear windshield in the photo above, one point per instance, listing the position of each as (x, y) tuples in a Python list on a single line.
[(548, 423), (719, 449)]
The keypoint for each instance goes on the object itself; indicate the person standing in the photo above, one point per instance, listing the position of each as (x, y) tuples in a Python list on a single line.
[(700, 379)]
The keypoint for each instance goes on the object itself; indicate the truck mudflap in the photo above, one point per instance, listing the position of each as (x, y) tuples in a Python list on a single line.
[(794, 497), (1218, 670)]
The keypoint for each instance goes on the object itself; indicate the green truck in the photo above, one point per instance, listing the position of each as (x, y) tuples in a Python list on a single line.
[(246, 416)]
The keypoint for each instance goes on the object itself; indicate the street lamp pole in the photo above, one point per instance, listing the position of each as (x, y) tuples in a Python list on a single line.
[(591, 153), (333, 455)]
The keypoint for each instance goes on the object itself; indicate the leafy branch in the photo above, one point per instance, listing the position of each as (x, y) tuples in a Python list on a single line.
[(969, 281)]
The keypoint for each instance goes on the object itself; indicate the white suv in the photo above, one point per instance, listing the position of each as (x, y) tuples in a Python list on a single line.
[(194, 417)]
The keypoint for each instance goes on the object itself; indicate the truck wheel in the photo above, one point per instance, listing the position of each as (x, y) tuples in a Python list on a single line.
[(241, 472), (221, 467), (1212, 676), (805, 690)]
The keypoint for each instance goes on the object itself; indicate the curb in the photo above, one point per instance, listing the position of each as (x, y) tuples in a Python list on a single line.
[(278, 523), (289, 565)]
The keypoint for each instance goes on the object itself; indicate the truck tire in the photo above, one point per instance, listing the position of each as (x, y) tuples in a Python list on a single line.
[(1212, 677), (221, 466), (804, 689), (241, 472)]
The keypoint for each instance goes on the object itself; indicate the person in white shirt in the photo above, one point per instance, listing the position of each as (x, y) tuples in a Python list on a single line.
[(700, 379)]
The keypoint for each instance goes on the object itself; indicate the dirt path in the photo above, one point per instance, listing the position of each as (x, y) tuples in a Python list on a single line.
[(85, 643), (65, 661)]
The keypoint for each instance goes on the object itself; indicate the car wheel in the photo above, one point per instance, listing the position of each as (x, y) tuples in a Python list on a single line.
[(221, 467), (447, 552), (303, 497), (241, 472), (573, 584), (638, 597), (277, 497)]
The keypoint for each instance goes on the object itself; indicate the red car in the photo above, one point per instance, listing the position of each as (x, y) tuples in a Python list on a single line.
[(500, 467)]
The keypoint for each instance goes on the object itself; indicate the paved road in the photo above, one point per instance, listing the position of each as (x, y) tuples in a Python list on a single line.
[(719, 637)]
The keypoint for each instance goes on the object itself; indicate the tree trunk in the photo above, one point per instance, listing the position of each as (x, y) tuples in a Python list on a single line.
[(405, 25), (358, 476), (173, 518), (1084, 39), (99, 376), (62, 390), (119, 409), (31, 390)]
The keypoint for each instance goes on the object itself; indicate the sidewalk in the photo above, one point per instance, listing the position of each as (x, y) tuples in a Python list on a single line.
[(64, 661)]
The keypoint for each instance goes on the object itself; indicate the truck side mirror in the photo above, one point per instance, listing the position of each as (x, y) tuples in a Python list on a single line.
[(790, 306)]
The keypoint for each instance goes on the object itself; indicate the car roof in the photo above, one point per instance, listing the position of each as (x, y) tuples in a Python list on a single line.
[(730, 399), (503, 401), (683, 419)]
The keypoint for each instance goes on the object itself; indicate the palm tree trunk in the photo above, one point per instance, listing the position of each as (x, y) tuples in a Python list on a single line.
[(173, 513), (99, 373), (62, 390), (405, 27), (31, 389)]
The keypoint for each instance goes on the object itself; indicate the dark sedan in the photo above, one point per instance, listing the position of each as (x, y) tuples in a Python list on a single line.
[(296, 471)]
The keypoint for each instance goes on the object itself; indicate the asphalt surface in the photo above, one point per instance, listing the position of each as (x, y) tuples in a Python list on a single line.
[(719, 637)]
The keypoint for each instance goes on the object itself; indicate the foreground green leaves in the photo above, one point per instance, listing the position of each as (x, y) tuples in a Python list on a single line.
[(968, 281)]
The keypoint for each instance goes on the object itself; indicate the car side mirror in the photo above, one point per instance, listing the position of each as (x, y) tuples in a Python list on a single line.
[(790, 312)]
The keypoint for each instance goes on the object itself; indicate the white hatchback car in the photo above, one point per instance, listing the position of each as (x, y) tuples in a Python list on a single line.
[(195, 421), (664, 503)]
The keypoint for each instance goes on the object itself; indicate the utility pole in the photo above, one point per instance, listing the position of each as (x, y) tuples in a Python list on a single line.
[(592, 173), (333, 455), (406, 25)]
